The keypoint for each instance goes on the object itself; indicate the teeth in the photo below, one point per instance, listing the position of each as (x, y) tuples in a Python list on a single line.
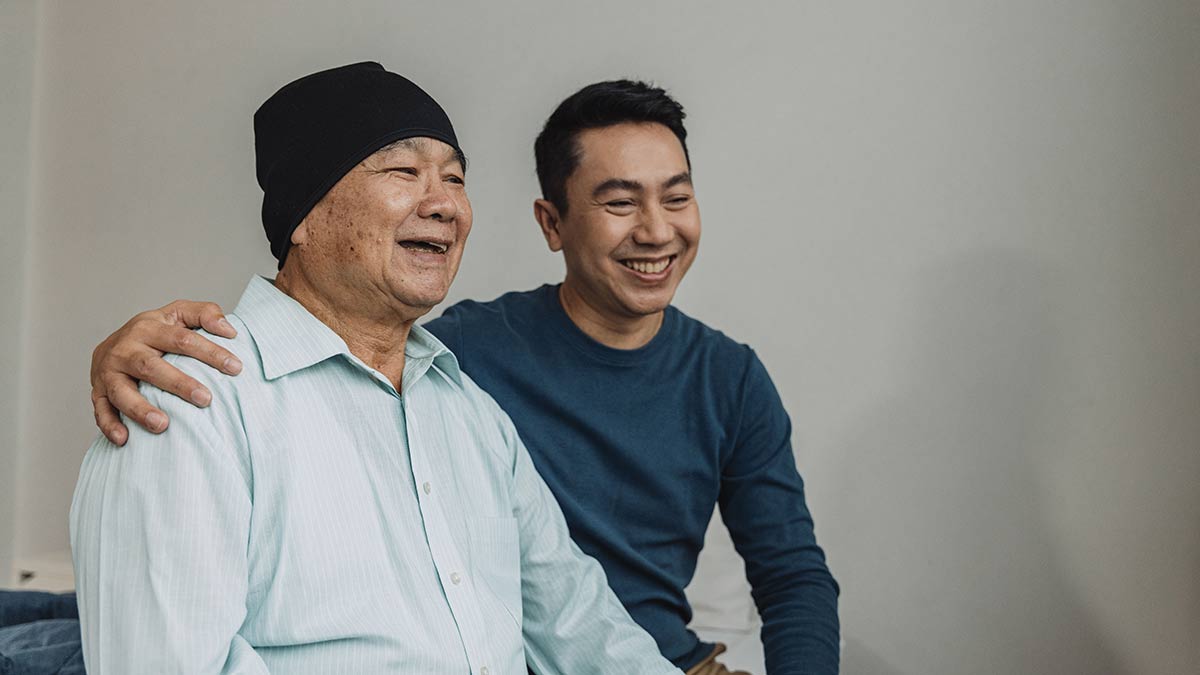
[(416, 244), (647, 267)]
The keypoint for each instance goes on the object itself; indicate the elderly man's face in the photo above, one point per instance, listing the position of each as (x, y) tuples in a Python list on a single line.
[(393, 227), (632, 225)]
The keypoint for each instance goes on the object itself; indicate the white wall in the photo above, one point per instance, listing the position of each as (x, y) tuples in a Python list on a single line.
[(18, 23), (963, 236)]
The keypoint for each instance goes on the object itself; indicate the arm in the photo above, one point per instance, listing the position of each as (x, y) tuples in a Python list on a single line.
[(135, 353), (762, 504), (159, 532), (573, 623)]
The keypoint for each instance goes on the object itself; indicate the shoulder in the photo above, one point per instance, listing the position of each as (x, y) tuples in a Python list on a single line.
[(195, 436), (225, 388), (734, 376), (241, 346), (511, 304), (501, 320), (713, 344)]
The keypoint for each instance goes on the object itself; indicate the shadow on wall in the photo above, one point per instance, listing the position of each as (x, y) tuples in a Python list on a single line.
[(950, 566)]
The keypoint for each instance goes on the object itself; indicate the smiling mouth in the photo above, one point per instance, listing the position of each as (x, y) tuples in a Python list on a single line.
[(425, 246), (649, 266)]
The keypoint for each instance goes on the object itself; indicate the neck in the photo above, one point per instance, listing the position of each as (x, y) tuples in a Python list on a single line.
[(377, 339), (616, 331)]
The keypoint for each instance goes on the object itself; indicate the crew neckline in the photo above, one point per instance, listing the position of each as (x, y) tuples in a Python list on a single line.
[(595, 349)]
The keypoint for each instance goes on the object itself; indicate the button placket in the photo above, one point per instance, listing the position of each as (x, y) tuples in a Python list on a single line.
[(443, 550)]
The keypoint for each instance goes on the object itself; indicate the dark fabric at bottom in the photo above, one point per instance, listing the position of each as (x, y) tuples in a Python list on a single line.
[(50, 647), (39, 634)]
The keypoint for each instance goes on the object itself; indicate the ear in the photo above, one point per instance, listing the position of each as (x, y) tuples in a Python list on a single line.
[(300, 234), (546, 213)]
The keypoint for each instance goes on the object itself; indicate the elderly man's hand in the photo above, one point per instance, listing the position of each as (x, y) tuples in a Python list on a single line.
[(135, 352)]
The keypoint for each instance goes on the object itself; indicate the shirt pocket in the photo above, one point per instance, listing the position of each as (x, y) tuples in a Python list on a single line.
[(496, 560)]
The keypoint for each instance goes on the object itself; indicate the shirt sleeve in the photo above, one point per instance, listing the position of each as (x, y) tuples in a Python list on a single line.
[(159, 533), (573, 623), (762, 504)]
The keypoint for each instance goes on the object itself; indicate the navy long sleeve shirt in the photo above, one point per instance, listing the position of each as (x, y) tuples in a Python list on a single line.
[(639, 446)]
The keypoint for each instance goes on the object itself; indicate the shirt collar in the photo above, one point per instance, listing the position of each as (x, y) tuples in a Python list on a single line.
[(424, 345), (290, 338)]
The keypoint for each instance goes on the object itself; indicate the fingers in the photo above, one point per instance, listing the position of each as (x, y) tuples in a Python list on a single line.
[(151, 368), (206, 315), (179, 340), (108, 420), (122, 392), (135, 353)]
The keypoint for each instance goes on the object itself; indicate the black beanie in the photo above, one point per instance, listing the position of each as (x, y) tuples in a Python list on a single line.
[(315, 130)]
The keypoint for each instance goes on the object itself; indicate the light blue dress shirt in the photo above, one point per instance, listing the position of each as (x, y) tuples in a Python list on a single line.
[(315, 520)]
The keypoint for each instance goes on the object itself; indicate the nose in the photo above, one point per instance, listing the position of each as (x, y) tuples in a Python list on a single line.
[(654, 230), (437, 203)]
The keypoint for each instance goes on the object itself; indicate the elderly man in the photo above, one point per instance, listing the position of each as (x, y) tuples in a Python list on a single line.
[(353, 502), (640, 418)]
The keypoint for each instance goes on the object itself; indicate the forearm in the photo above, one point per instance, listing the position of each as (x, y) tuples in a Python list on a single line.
[(792, 587), (763, 505), (800, 631)]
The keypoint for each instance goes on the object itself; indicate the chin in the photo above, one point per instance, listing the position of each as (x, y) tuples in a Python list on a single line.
[(645, 305), (418, 292), (421, 300), (430, 301)]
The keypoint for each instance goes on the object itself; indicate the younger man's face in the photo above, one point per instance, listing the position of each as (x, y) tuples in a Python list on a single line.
[(632, 226)]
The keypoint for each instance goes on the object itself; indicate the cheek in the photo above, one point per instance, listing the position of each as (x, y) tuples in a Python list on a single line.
[(357, 244), (689, 231), (464, 223), (599, 239), (351, 234), (351, 239)]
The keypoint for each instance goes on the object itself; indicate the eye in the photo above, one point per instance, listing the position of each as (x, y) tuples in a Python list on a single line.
[(457, 180), (406, 170), (620, 204), (679, 201)]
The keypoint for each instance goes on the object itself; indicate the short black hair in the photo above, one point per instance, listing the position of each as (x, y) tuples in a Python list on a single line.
[(598, 105)]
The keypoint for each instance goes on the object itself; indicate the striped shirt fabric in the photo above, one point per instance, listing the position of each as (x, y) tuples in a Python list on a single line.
[(315, 520)]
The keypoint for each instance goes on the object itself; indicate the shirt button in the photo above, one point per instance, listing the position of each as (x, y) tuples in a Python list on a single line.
[(484, 671), (427, 487), (455, 578)]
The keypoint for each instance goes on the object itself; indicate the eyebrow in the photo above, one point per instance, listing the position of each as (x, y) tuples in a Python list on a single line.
[(617, 184), (684, 178)]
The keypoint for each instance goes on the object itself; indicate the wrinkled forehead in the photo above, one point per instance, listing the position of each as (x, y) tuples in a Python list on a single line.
[(424, 147)]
